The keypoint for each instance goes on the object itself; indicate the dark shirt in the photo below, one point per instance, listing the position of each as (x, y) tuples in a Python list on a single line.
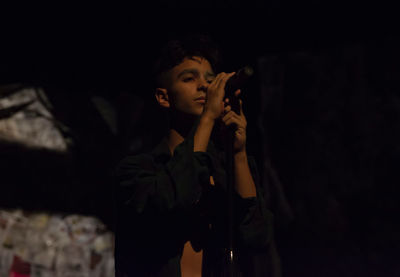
[(163, 201)]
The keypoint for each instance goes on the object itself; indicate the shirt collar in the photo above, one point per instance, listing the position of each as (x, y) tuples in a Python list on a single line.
[(161, 152)]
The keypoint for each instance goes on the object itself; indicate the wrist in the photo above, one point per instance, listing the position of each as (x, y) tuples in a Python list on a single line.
[(203, 133), (207, 119), (240, 156)]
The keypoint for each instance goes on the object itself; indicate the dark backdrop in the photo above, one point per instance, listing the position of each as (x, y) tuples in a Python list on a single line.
[(323, 112)]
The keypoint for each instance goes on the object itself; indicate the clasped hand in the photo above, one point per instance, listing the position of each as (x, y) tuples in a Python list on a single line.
[(216, 108)]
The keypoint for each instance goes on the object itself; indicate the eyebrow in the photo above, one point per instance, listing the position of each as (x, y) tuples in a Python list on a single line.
[(195, 72), (209, 74)]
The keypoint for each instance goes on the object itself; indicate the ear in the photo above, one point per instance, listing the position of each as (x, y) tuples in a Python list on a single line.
[(162, 97)]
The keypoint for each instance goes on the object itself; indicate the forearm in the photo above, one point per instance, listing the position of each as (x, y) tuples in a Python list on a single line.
[(203, 133), (244, 182), (255, 230)]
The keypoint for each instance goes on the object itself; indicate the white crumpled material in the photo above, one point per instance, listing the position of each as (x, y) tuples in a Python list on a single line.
[(34, 126), (56, 245)]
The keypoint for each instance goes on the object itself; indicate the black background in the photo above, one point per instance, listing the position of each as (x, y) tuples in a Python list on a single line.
[(76, 52), (104, 47)]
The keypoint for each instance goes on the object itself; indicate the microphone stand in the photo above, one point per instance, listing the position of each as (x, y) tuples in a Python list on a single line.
[(231, 269), (235, 82)]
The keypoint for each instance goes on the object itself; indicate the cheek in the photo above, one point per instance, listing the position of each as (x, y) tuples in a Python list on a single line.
[(183, 95)]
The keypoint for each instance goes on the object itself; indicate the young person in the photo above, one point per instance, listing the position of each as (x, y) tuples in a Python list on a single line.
[(171, 202)]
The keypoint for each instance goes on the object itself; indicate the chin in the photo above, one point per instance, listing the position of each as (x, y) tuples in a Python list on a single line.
[(191, 112), (197, 111)]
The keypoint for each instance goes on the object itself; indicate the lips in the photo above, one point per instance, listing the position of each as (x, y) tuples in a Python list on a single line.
[(201, 100)]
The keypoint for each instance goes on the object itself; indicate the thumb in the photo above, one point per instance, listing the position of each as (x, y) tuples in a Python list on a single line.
[(222, 108), (237, 92)]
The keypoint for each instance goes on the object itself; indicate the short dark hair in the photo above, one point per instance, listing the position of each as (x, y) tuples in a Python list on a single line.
[(176, 50)]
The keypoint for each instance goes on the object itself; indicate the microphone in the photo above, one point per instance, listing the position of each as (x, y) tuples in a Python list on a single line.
[(238, 80)]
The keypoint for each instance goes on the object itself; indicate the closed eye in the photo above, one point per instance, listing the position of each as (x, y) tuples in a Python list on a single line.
[(188, 79)]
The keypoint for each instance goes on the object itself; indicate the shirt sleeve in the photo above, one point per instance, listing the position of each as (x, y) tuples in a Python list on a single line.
[(144, 187), (254, 220)]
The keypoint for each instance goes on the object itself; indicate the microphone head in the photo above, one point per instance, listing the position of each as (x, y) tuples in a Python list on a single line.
[(238, 80), (247, 70)]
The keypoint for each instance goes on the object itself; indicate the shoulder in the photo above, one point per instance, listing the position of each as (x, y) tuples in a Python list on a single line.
[(133, 163), (150, 160)]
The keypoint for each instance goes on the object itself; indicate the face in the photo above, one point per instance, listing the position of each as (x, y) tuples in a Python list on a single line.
[(188, 83)]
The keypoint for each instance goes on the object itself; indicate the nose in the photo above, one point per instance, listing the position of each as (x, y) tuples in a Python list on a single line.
[(203, 85)]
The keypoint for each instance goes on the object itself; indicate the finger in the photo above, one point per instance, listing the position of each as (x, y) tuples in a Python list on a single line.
[(233, 117), (218, 86), (241, 107), (228, 116), (237, 92), (227, 109), (225, 79), (221, 109), (232, 121), (218, 79)]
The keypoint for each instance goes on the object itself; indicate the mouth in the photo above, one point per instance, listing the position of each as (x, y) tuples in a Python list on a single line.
[(201, 99)]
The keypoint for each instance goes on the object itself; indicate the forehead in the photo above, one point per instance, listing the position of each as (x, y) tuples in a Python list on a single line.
[(198, 63)]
